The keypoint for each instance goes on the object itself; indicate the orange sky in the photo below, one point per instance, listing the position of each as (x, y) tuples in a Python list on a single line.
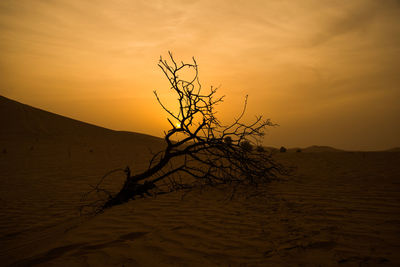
[(327, 71)]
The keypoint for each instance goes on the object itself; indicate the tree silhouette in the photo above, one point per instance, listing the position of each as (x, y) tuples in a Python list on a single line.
[(200, 150)]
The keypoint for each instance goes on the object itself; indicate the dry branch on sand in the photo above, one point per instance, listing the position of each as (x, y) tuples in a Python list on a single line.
[(207, 152)]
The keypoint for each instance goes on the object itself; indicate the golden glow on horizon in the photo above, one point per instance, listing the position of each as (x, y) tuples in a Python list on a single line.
[(327, 72)]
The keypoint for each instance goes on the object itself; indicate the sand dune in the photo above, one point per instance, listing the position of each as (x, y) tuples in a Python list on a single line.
[(310, 149), (337, 209), (314, 149)]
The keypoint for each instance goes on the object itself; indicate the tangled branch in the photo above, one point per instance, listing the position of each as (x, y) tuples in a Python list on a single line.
[(207, 152)]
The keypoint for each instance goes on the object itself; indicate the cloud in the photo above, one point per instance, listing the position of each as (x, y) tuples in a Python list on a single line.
[(357, 18), (301, 57)]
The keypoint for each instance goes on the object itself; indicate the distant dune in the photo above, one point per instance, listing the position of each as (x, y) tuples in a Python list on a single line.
[(310, 149), (19, 121), (321, 149), (335, 209), (395, 149), (18, 118)]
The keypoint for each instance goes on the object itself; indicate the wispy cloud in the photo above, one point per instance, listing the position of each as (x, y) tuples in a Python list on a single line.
[(313, 56)]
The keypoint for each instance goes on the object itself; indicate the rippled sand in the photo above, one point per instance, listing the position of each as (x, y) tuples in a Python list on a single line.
[(337, 209)]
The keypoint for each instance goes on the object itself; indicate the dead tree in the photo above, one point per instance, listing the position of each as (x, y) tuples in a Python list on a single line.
[(199, 148)]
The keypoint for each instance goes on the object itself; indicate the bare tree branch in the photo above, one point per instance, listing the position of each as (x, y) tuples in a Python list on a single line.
[(207, 153)]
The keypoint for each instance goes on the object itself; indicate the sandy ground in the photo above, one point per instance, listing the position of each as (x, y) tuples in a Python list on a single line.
[(337, 209)]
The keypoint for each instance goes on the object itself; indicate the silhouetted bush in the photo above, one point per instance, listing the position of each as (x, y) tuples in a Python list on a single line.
[(282, 149), (228, 140), (260, 149), (246, 146)]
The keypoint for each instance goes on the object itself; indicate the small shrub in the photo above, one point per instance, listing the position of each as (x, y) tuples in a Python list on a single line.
[(260, 149), (246, 146), (282, 149), (228, 140)]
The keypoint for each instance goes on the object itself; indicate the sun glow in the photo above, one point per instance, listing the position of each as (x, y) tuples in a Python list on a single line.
[(97, 63)]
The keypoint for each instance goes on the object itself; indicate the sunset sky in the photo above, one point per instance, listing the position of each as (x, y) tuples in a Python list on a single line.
[(328, 72)]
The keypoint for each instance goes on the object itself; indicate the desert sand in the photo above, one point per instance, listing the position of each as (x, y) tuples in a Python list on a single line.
[(338, 208)]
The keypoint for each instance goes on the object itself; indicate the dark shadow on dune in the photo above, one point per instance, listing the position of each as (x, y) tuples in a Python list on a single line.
[(79, 248), (48, 256)]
